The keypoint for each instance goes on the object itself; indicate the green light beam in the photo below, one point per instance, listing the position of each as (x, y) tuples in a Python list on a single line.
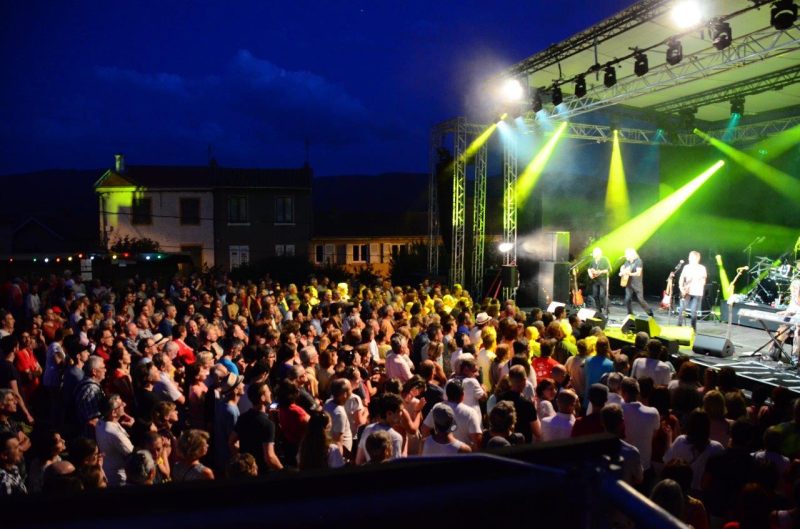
[(725, 283), (617, 201), (527, 180)]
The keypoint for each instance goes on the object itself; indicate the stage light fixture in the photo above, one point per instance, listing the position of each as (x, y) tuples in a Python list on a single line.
[(580, 86), (640, 65), (737, 106), (686, 14), (610, 76), (686, 119), (505, 247), (721, 34), (674, 52), (784, 14), (557, 96), (511, 91), (536, 104)]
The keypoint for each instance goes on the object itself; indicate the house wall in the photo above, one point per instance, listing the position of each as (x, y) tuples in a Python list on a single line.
[(262, 235), (339, 251), (165, 227)]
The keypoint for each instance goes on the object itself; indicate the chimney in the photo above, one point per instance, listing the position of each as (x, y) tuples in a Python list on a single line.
[(119, 163)]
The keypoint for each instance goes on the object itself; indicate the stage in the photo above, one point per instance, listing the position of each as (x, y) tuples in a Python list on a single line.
[(752, 370)]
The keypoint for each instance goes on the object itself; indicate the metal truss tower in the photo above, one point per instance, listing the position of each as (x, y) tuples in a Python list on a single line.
[(433, 205), (479, 220), (510, 169), (459, 202)]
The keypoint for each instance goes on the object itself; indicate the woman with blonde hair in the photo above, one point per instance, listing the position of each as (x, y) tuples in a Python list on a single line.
[(715, 408), (192, 446)]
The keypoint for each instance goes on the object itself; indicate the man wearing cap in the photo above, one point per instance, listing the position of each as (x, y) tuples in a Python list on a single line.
[(225, 416), (481, 320), (443, 442), (467, 420)]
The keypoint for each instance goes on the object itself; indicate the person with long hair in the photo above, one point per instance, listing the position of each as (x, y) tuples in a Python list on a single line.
[(119, 381), (316, 448), (192, 446), (695, 447), (499, 366), (195, 392)]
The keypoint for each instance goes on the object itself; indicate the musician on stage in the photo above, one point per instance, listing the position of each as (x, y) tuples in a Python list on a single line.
[(692, 283), (631, 274), (793, 310), (598, 271)]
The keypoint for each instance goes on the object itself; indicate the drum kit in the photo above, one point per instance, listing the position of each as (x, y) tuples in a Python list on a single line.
[(772, 279)]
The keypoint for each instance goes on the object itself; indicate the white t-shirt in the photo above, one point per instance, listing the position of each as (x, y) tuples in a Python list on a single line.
[(641, 424), (114, 442), (558, 426), (473, 393), (613, 398), (693, 276), (468, 421), (397, 439), (430, 448), (681, 449), (352, 406), (650, 367), (339, 422)]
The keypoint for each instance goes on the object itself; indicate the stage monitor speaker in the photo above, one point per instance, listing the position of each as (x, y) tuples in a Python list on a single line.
[(647, 324), (542, 283), (510, 276), (712, 346), (584, 313), (628, 325), (597, 321)]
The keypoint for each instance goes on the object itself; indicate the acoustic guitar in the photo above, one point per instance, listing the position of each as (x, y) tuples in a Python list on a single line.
[(625, 275), (666, 299), (577, 294)]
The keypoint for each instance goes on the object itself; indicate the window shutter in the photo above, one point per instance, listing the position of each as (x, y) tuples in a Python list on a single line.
[(374, 253)]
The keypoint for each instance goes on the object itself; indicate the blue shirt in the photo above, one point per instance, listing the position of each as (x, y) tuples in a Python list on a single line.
[(595, 367), (229, 365)]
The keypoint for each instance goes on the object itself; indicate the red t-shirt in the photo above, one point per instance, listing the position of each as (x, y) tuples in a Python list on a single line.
[(26, 361), (544, 367), (293, 422), (185, 353), (102, 353)]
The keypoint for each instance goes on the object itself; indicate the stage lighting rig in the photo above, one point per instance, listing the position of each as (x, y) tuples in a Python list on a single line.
[(783, 15), (674, 51), (737, 106), (640, 65), (686, 117), (512, 91), (721, 34), (686, 14), (610, 76), (556, 95), (580, 86)]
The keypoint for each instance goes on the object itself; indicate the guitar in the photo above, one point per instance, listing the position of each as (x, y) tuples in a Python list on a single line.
[(594, 273), (577, 294), (666, 300), (625, 275)]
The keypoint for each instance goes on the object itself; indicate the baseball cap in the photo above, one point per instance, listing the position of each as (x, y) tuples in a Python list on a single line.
[(443, 419)]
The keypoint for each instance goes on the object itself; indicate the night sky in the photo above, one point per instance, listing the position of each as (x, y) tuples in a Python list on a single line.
[(163, 80)]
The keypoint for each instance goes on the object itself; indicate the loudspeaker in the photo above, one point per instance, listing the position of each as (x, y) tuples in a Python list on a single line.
[(628, 325), (556, 246), (647, 324), (542, 283), (597, 321), (510, 276), (712, 346)]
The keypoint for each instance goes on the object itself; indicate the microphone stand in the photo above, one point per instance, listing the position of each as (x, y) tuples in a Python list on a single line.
[(749, 249), (730, 301)]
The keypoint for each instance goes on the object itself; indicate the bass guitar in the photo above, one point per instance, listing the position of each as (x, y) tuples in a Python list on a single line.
[(666, 299), (577, 294)]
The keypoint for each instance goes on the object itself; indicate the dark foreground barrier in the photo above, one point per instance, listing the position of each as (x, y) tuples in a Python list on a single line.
[(568, 484)]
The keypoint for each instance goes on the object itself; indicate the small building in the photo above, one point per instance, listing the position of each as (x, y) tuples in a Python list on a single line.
[(223, 217)]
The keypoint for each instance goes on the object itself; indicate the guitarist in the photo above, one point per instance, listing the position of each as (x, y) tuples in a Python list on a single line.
[(692, 283), (631, 274), (598, 271)]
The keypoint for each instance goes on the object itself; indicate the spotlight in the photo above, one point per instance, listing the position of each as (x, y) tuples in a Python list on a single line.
[(536, 104), (505, 247), (580, 86), (784, 14), (721, 34), (674, 51), (511, 90), (610, 76), (686, 14), (640, 66), (737, 106), (557, 96)]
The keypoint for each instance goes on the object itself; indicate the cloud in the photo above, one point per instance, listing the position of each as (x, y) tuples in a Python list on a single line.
[(160, 82)]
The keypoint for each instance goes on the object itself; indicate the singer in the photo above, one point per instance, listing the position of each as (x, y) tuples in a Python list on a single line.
[(692, 283)]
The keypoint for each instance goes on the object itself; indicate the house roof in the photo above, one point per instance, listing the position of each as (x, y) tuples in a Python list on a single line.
[(205, 177)]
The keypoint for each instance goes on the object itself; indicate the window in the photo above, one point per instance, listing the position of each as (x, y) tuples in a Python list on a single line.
[(237, 210), (190, 211), (239, 256), (142, 211), (284, 210), (195, 251), (284, 250), (319, 253), (360, 253)]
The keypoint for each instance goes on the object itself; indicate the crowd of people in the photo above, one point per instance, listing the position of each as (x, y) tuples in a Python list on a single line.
[(208, 379)]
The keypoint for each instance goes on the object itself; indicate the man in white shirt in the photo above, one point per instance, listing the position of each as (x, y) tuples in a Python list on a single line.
[(641, 422), (398, 364), (390, 407), (340, 425), (475, 335), (467, 373), (468, 422), (692, 283), (651, 366), (559, 426)]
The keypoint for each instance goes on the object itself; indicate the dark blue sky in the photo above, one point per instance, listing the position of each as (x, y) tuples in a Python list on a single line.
[(161, 80)]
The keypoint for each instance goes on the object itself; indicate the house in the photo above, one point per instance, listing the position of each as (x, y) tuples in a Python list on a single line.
[(222, 217)]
